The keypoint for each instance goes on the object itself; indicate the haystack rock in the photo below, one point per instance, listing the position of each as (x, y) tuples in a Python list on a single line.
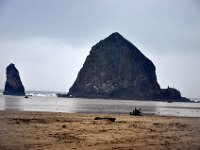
[(116, 69), (13, 85)]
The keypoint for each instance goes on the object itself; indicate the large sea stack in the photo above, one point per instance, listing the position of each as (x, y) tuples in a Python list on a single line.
[(13, 85), (116, 69)]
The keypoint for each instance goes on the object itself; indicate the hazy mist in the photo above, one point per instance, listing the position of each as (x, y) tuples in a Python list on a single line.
[(48, 40)]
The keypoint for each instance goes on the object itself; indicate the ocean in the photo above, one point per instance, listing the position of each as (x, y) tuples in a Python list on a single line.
[(49, 102)]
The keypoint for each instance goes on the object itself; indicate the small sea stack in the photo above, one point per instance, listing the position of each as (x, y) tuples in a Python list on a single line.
[(116, 69), (13, 85)]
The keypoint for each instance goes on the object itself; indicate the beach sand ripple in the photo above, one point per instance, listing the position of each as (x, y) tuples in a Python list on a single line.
[(44, 130)]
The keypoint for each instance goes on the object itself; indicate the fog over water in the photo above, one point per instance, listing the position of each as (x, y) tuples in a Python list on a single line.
[(49, 40)]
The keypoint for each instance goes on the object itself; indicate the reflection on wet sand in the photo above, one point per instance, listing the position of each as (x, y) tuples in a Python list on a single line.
[(12, 103), (77, 105)]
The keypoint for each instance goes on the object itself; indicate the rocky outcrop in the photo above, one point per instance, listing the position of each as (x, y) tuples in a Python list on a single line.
[(115, 68), (13, 85)]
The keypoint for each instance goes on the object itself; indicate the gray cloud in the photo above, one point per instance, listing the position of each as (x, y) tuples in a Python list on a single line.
[(48, 40)]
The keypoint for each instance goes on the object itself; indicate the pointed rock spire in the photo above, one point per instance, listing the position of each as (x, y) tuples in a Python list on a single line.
[(13, 85)]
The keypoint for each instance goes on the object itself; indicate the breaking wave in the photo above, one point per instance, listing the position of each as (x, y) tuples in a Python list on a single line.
[(41, 94), (195, 99)]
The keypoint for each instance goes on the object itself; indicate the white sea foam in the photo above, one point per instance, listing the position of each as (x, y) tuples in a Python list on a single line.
[(195, 99), (41, 94)]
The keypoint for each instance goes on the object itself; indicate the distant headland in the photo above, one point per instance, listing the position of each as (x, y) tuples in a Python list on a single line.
[(116, 69)]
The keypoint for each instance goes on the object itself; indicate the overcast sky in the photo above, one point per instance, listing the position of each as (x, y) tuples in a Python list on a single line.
[(48, 40)]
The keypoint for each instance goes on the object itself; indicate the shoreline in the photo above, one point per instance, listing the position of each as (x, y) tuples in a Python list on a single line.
[(98, 106), (103, 113), (54, 130)]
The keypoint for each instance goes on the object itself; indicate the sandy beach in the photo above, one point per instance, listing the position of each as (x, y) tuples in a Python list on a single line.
[(44, 130)]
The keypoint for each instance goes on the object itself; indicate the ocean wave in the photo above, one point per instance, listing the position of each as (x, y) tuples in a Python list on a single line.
[(42, 94), (195, 99)]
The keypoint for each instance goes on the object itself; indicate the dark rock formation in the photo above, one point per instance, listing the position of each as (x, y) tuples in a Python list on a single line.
[(115, 68), (13, 85), (61, 95)]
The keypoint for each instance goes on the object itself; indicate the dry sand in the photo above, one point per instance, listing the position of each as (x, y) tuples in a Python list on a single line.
[(43, 130)]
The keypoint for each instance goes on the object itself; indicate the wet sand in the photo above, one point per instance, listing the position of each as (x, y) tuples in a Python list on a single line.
[(43, 130)]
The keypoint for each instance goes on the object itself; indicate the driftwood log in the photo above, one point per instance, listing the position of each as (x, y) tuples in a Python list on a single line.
[(105, 118), (136, 112)]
